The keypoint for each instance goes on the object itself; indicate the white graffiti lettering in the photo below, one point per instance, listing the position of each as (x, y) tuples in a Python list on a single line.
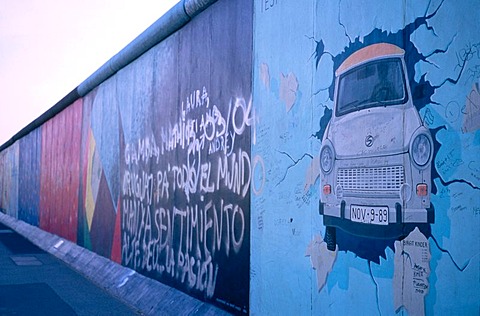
[(182, 200), (143, 151), (182, 242)]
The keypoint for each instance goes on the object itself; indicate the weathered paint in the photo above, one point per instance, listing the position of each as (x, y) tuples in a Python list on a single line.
[(86, 202), (29, 177), (9, 185), (103, 221), (60, 170), (155, 168), (185, 166), (283, 214)]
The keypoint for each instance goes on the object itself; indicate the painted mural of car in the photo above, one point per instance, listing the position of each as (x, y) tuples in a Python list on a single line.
[(376, 153)]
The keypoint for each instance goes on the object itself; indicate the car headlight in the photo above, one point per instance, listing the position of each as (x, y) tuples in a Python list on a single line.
[(327, 157), (421, 150)]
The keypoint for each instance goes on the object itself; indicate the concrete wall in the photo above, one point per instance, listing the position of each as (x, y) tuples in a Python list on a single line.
[(151, 169), (198, 164), (9, 182)]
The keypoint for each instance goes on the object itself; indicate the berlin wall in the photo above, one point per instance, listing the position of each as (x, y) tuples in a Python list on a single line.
[(278, 157), (152, 168), (340, 158)]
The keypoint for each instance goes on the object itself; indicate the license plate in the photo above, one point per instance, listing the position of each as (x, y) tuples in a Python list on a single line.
[(377, 215)]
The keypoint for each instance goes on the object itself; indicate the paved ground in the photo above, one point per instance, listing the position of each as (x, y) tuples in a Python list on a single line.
[(43, 274), (33, 282)]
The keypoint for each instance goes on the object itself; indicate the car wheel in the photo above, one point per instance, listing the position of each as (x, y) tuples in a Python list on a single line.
[(331, 238)]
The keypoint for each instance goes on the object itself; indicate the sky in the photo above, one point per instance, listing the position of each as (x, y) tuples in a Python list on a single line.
[(49, 47)]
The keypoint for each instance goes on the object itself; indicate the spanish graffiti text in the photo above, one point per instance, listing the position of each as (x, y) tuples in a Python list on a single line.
[(185, 193)]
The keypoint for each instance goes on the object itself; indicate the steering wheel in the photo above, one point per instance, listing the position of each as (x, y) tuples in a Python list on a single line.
[(381, 94)]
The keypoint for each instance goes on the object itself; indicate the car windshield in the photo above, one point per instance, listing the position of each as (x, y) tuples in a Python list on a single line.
[(377, 83)]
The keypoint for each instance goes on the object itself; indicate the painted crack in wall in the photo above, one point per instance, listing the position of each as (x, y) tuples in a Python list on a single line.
[(376, 286), (293, 164)]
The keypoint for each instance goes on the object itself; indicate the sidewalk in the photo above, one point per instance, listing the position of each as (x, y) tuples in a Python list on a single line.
[(33, 282), (44, 274)]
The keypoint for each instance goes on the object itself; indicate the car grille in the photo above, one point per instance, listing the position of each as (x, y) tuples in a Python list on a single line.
[(381, 181)]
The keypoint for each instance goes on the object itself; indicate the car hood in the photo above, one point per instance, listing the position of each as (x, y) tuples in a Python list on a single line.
[(370, 132)]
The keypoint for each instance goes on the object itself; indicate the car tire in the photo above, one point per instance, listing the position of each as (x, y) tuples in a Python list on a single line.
[(331, 238)]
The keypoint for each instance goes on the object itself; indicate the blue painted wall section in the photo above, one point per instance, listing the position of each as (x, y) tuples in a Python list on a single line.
[(29, 177), (298, 50)]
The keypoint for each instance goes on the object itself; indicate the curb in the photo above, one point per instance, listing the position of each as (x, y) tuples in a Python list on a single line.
[(144, 295)]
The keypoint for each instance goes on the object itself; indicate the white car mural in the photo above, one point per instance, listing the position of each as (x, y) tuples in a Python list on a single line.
[(376, 153)]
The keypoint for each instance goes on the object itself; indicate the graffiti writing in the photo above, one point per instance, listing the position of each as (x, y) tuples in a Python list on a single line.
[(268, 4), (185, 194), (182, 243), (212, 130)]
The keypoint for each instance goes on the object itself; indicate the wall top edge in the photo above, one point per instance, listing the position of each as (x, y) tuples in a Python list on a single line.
[(177, 17)]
